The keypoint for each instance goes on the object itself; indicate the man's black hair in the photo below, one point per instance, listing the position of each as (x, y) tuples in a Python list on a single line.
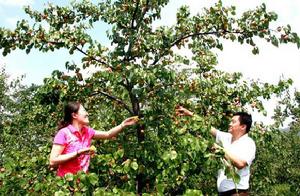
[(245, 119)]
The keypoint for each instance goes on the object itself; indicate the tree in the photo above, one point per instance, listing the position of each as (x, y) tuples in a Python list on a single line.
[(7, 104), (144, 74), (3, 100), (294, 136), (277, 150), (3, 96)]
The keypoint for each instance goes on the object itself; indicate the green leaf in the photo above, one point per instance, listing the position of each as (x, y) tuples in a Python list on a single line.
[(274, 41), (34, 159), (60, 193), (255, 50), (69, 177), (93, 178), (173, 155), (193, 192), (134, 165), (160, 188)]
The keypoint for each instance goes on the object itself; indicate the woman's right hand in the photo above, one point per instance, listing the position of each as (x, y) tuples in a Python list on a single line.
[(86, 150), (130, 121)]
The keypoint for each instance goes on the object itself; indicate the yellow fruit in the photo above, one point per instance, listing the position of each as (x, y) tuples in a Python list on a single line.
[(93, 148), (136, 118)]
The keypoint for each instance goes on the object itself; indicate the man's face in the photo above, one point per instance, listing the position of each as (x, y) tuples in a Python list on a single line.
[(235, 126), (82, 116)]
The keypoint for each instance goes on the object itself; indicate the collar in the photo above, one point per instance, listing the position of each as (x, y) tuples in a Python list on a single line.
[(74, 130), (244, 136), (240, 138)]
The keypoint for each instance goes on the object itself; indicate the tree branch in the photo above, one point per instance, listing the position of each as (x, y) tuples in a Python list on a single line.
[(127, 58), (143, 13), (114, 99), (83, 52), (134, 14), (191, 35), (99, 61)]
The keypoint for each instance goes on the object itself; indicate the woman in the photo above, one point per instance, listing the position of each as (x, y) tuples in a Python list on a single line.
[(71, 145)]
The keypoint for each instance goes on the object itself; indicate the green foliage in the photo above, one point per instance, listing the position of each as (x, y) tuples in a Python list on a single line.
[(276, 169), (142, 74)]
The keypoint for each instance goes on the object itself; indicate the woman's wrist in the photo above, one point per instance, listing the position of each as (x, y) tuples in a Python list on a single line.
[(122, 125)]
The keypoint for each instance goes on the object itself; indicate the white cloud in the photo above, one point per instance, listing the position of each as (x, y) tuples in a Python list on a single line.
[(16, 2)]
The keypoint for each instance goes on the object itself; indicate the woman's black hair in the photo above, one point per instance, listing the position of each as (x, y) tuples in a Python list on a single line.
[(70, 108)]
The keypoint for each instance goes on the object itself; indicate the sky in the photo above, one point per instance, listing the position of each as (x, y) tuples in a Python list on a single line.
[(269, 66)]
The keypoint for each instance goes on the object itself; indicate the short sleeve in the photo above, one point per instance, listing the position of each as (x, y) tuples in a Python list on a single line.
[(91, 132), (248, 153), (223, 138), (60, 137)]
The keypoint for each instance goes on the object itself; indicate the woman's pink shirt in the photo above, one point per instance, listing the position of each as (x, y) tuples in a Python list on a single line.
[(72, 140)]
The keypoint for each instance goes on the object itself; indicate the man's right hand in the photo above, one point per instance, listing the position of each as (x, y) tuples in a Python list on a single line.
[(181, 111)]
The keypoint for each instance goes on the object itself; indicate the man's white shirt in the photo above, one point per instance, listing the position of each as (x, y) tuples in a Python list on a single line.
[(244, 148)]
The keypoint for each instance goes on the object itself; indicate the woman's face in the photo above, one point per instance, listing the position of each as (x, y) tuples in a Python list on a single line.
[(81, 116)]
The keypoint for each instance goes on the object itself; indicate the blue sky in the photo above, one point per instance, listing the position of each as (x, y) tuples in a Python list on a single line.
[(271, 64), (36, 65)]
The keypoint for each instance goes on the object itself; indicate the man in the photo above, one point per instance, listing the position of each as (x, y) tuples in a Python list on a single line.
[(239, 150)]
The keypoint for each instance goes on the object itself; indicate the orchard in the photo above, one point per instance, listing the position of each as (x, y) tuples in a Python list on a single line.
[(144, 74)]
